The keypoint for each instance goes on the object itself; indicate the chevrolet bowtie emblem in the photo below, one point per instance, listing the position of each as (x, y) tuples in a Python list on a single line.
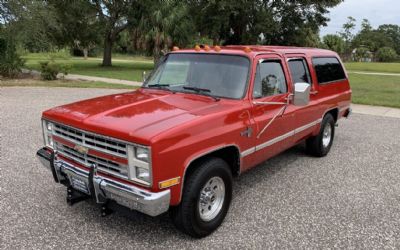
[(81, 149)]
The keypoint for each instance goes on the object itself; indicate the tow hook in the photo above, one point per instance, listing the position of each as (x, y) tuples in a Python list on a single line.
[(105, 210), (74, 196)]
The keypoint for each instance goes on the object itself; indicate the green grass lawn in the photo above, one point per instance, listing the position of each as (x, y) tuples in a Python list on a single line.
[(376, 90), (124, 70), (62, 83), (373, 67)]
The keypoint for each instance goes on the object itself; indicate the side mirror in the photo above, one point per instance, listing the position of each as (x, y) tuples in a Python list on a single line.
[(301, 94)]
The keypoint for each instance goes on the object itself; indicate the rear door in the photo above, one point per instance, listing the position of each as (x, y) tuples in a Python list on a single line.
[(305, 117)]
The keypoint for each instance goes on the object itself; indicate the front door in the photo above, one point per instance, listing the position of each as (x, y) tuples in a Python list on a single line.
[(269, 102)]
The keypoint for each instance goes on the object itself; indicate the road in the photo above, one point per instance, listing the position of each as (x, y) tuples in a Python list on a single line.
[(349, 199)]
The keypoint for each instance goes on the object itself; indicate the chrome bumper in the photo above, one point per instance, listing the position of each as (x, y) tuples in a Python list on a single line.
[(103, 188)]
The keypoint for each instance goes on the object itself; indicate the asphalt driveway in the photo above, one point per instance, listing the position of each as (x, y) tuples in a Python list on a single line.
[(349, 199)]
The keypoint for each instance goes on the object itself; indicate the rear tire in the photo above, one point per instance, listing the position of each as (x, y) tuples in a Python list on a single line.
[(321, 144), (206, 197)]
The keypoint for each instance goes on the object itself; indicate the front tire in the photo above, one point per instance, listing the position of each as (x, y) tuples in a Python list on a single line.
[(206, 197), (321, 144)]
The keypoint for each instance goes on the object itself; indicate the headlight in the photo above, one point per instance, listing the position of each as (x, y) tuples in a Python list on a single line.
[(143, 174), (142, 154), (47, 128), (139, 164)]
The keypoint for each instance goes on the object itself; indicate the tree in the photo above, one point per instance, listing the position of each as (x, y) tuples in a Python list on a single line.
[(269, 21), (114, 18), (347, 33), (166, 23), (393, 32), (78, 24), (32, 23), (386, 54), (334, 42), (371, 38)]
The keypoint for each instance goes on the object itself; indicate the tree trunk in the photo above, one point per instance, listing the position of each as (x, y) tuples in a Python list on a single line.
[(85, 53), (108, 43)]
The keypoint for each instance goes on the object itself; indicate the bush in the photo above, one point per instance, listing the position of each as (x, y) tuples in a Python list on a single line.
[(49, 70), (10, 62), (386, 54)]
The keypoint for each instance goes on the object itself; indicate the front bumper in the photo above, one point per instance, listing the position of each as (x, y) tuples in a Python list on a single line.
[(103, 188)]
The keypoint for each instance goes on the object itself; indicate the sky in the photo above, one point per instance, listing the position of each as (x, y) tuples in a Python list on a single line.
[(376, 11)]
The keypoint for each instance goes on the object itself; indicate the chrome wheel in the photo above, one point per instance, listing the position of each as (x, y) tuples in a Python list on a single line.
[(211, 199), (327, 135)]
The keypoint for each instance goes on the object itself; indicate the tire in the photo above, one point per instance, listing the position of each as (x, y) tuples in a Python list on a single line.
[(192, 216), (320, 145)]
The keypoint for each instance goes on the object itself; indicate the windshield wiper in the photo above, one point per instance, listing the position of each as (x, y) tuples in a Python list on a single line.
[(201, 91), (158, 85)]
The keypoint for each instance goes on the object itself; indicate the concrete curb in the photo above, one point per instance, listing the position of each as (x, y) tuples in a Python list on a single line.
[(102, 79), (376, 110)]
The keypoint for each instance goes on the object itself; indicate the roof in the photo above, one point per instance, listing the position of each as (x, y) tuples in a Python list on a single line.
[(260, 49)]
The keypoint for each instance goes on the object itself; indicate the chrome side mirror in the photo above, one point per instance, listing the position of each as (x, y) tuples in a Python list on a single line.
[(301, 94)]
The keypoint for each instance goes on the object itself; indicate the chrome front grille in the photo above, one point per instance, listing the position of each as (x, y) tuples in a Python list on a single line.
[(105, 165), (94, 141)]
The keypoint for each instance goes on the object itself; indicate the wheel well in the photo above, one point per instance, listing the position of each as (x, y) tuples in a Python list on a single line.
[(334, 113), (230, 155)]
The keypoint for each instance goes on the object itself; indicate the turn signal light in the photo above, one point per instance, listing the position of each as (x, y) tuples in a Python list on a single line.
[(169, 183), (247, 49)]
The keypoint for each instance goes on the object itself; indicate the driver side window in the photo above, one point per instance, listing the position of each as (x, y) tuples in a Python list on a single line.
[(270, 79)]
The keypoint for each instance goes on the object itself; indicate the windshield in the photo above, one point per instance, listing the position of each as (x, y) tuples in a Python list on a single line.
[(207, 74)]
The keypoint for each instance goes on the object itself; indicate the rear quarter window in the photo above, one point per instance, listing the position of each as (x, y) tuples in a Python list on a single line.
[(328, 69)]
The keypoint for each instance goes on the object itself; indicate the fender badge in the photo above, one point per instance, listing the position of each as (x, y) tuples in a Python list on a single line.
[(81, 149)]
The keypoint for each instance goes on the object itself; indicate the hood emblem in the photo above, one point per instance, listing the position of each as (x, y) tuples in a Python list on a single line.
[(81, 149)]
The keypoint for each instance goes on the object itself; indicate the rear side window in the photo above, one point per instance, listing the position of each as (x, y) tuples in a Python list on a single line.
[(328, 69), (299, 71)]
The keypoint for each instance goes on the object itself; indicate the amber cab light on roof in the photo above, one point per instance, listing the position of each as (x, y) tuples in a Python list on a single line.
[(247, 49), (217, 48), (175, 48), (197, 48), (206, 48)]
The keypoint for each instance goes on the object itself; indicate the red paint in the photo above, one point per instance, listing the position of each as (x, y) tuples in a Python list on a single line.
[(181, 127)]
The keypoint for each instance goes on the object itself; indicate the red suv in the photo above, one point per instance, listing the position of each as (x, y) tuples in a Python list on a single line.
[(202, 116)]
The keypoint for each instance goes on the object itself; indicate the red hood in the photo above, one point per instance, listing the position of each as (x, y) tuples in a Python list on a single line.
[(138, 115)]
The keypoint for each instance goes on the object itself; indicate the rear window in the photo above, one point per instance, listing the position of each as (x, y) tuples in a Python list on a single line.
[(328, 69)]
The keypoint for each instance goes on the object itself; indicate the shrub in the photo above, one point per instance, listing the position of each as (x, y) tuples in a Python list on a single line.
[(10, 62), (386, 54), (64, 69), (49, 70)]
